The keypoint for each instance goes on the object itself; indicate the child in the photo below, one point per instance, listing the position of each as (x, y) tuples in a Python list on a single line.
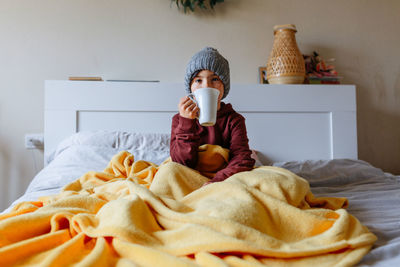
[(208, 68)]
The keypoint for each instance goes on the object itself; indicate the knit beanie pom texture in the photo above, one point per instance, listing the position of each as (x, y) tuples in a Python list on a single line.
[(208, 59)]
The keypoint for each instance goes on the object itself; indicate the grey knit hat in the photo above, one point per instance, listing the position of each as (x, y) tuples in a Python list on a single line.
[(208, 59)]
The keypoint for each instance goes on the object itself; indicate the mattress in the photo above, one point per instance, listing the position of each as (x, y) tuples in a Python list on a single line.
[(374, 196)]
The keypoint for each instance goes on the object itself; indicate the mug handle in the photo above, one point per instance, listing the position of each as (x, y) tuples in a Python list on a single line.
[(191, 96)]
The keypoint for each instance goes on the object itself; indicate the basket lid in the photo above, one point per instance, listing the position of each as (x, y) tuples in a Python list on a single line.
[(285, 27)]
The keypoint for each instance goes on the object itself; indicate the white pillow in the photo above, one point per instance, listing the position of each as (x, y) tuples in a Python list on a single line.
[(139, 144), (92, 150)]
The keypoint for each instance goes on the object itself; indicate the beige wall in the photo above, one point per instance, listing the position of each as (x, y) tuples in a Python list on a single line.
[(132, 39)]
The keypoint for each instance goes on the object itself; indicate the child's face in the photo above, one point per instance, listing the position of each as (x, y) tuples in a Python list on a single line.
[(207, 78)]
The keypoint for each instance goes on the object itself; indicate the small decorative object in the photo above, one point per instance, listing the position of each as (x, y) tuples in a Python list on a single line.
[(320, 71), (262, 72), (191, 4), (285, 63)]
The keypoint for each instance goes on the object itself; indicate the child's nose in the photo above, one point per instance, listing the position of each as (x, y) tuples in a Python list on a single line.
[(206, 83)]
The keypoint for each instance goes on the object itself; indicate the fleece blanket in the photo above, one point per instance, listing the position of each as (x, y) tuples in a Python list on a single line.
[(136, 213)]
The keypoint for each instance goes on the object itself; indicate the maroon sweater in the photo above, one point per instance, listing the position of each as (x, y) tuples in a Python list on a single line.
[(229, 132)]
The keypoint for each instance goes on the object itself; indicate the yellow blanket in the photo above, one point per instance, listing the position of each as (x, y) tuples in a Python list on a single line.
[(136, 213)]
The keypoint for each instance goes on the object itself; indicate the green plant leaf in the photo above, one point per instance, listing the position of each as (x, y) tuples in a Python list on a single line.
[(192, 4)]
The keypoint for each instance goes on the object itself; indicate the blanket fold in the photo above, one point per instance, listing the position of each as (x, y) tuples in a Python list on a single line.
[(135, 212)]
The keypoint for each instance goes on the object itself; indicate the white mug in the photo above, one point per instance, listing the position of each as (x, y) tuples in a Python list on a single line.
[(207, 101)]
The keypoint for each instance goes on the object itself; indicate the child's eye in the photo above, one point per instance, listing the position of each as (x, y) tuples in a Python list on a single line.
[(215, 79), (198, 80)]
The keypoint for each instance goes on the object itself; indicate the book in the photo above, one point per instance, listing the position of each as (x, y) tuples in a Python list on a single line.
[(141, 81), (85, 79)]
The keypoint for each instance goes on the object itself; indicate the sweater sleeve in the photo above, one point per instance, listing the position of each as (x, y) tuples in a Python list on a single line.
[(184, 141), (240, 153)]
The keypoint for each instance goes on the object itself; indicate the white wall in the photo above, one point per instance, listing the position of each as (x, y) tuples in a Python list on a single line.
[(132, 39)]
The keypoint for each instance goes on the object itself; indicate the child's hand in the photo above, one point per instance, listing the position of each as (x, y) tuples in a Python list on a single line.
[(187, 108)]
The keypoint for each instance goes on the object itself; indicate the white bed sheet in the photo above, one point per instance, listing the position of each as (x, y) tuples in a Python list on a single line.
[(374, 196)]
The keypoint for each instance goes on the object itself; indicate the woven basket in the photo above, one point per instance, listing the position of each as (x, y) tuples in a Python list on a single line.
[(285, 63)]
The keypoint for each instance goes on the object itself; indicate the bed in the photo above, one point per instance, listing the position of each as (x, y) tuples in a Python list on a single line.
[(309, 130)]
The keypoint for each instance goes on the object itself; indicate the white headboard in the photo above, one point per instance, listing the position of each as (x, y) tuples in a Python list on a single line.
[(284, 122)]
